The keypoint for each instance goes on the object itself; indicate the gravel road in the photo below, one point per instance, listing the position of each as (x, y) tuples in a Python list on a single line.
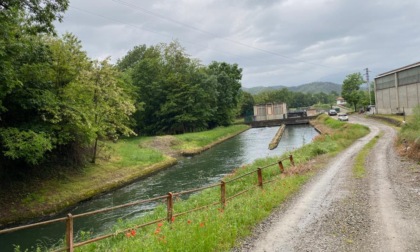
[(337, 212)]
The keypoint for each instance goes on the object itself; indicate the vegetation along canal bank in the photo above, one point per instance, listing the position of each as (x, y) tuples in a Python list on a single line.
[(118, 164), (216, 230)]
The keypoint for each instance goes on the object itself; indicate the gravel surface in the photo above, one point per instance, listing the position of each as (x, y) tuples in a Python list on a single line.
[(337, 212)]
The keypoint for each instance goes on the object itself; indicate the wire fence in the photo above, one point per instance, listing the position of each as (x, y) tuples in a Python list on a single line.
[(169, 198)]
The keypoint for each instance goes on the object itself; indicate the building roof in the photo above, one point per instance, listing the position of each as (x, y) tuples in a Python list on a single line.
[(398, 69)]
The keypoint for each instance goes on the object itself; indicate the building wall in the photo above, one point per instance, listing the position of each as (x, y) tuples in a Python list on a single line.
[(270, 111), (398, 91)]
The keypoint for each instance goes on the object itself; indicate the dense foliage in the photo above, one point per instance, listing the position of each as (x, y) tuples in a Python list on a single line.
[(55, 103), (295, 99), (176, 93)]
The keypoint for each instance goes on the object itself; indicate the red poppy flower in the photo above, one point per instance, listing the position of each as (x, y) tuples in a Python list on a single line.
[(133, 232), (160, 224), (128, 234)]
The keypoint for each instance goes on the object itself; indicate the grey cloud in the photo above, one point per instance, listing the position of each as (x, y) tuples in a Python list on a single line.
[(275, 42)]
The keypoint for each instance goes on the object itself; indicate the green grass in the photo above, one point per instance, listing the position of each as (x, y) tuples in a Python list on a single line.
[(211, 229), (410, 130), (216, 230), (359, 168), (130, 151), (197, 140)]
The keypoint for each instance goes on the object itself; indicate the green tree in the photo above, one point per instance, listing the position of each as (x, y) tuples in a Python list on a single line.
[(133, 57), (350, 89), (26, 94), (24, 77), (100, 99), (39, 14), (228, 91), (177, 93), (148, 76), (246, 104)]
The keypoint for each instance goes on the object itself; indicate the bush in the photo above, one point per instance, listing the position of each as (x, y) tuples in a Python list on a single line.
[(410, 130)]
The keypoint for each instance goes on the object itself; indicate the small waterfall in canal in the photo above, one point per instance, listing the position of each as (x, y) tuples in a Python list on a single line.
[(193, 172)]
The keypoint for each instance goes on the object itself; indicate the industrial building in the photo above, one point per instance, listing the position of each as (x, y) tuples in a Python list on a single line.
[(270, 111), (398, 91)]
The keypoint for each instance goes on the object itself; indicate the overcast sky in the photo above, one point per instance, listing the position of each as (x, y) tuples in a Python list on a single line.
[(275, 42)]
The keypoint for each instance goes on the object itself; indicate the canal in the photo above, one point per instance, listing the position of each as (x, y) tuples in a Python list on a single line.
[(192, 172)]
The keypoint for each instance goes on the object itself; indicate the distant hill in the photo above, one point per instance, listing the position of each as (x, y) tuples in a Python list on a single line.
[(313, 87)]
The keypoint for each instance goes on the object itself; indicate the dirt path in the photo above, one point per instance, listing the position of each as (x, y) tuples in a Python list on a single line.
[(337, 212)]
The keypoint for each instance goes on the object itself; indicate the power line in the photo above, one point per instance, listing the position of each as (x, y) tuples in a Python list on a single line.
[(212, 34), (160, 34), (146, 29)]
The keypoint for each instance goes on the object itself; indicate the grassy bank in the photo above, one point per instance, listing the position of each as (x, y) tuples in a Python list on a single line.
[(118, 164), (216, 230), (194, 143), (409, 136)]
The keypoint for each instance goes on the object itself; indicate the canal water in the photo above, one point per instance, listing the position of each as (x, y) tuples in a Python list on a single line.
[(192, 172)]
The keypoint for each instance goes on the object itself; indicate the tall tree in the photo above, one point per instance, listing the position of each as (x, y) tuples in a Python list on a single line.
[(133, 57), (177, 93), (246, 104), (228, 91), (350, 89), (107, 107)]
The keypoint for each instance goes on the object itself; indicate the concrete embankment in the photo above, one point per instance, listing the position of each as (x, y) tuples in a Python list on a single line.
[(273, 144)]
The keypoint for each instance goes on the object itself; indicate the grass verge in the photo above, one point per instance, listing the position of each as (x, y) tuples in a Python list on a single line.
[(216, 230), (359, 168), (194, 143)]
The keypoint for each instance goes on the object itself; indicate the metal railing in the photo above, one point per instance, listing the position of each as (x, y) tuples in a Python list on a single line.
[(69, 220)]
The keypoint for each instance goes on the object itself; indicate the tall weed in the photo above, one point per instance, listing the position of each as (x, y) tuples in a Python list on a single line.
[(411, 130)]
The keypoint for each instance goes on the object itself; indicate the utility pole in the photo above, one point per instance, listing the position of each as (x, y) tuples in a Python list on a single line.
[(367, 81)]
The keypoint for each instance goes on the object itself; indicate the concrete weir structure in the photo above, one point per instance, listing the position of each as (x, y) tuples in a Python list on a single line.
[(276, 114), (278, 122)]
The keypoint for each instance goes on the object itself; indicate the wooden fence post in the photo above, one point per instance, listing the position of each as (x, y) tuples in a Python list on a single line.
[(281, 166), (260, 179), (223, 194), (291, 160), (69, 232), (170, 206)]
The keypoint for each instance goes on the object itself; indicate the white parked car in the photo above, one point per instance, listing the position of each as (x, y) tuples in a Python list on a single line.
[(343, 117)]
